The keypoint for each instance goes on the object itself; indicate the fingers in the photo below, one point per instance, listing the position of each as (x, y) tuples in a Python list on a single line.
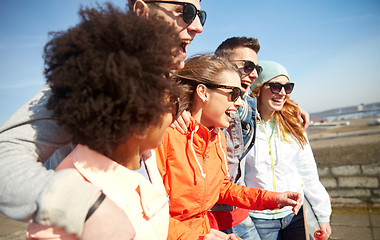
[(186, 117), (216, 235), (175, 125), (233, 237), (326, 227), (182, 122), (289, 199), (305, 118), (296, 208)]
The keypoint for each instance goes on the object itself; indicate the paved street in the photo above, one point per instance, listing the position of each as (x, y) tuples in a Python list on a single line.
[(344, 226)]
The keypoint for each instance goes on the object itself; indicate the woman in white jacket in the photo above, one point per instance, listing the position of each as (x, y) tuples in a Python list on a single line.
[(282, 159)]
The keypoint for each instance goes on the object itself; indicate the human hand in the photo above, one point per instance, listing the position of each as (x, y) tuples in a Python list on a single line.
[(217, 235), (233, 237), (108, 221), (326, 227), (293, 199), (304, 118), (182, 122)]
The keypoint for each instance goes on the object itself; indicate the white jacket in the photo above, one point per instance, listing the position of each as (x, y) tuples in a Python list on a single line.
[(276, 165)]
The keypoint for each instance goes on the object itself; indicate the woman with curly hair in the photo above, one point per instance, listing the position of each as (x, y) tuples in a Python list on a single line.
[(281, 158), (194, 165), (31, 135), (111, 93)]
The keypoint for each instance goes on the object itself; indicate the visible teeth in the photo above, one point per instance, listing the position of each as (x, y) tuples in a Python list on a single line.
[(185, 44), (230, 113)]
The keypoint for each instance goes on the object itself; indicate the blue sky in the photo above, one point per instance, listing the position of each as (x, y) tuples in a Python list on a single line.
[(331, 48)]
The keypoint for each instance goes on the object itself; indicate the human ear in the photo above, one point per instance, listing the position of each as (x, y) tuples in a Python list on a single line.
[(202, 92), (140, 135), (140, 8)]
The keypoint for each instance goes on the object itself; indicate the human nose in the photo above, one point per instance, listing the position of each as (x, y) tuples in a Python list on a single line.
[(253, 75), (282, 91), (196, 25), (238, 103)]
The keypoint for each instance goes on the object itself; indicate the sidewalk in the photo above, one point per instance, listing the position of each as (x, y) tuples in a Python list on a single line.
[(11, 230), (344, 227), (355, 227)]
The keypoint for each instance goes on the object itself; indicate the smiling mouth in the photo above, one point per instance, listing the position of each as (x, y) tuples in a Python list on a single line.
[(244, 86), (184, 45), (279, 101), (230, 114)]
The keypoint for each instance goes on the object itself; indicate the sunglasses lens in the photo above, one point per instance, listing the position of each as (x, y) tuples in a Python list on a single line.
[(248, 67), (259, 69), (188, 13), (275, 87), (289, 87), (202, 16), (234, 95)]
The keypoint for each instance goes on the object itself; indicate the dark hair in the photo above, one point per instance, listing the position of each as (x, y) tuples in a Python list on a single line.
[(109, 75), (226, 48), (200, 69), (132, 2)]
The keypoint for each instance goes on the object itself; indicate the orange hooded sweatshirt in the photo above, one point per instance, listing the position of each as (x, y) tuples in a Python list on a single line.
[(195, 174)]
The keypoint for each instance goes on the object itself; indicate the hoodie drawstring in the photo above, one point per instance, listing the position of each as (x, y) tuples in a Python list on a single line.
[(192, 149), (224, 156)]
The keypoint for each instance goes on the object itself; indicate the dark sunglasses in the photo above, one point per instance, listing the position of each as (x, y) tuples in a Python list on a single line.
[(277, 87), (249, 66), (232, 96), (189, 11)]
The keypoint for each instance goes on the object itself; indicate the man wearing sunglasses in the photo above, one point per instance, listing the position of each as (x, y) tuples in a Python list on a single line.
[(187, 17), (31, 136), (242, 51)]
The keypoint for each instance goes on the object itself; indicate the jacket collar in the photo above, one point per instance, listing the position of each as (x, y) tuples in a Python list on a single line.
[(113, 177), (200, 137)]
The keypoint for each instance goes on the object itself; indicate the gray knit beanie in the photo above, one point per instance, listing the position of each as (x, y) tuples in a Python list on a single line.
[(270, 70)]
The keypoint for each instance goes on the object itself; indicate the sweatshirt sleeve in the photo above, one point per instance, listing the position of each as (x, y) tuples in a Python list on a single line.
[(314, 191), (246, 197), (28, 138), (179, 231)]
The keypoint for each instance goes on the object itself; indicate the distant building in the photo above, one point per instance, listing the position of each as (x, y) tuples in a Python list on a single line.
[(358, 111), (318, 121)]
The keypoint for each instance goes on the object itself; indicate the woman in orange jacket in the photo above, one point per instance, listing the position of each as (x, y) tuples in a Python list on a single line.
[(194, 165)]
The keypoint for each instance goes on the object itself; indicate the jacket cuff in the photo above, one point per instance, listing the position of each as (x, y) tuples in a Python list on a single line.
[(270, 200)]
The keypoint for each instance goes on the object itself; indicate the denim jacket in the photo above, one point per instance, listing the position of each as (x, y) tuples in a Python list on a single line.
[(247, 114)]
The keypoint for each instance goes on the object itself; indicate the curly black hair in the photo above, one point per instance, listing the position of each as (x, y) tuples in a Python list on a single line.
[(109, 75)]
